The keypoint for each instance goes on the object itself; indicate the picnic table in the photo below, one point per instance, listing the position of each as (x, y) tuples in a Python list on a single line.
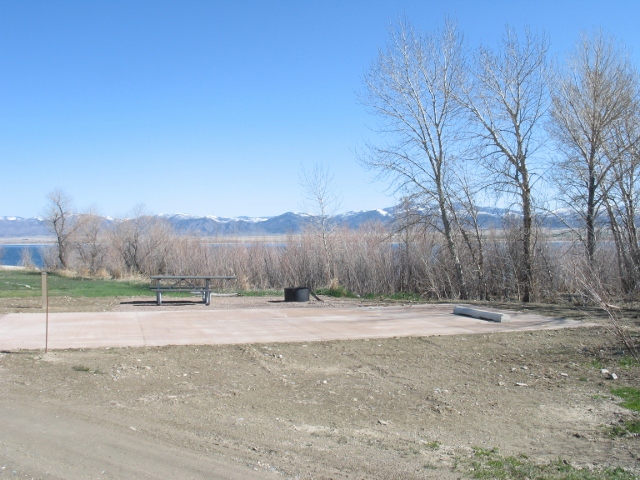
[(200, 284)]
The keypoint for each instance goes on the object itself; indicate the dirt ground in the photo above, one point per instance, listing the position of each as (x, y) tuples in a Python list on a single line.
[(398, 408)]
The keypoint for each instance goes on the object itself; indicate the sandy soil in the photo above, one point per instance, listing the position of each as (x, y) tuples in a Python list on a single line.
[(393, 408)]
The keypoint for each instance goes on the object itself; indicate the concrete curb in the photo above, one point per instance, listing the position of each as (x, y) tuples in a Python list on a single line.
[(481, 314)]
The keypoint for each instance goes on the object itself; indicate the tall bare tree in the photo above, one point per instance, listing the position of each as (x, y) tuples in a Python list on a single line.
[(591, 98), (320, 195), (59, 218), (507, 98), (621, 198), (412, 87)]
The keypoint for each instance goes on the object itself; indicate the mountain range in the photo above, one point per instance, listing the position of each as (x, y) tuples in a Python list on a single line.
[(290, 222)]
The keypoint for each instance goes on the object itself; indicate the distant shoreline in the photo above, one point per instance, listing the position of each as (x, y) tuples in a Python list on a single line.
[(215, 240), (27, 241)]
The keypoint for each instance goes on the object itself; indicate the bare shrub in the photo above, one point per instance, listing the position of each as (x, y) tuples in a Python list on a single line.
[(142, 244), (368, 261), (365, 260), (596, 293), (26, 259), (50, 258), (87, 243)]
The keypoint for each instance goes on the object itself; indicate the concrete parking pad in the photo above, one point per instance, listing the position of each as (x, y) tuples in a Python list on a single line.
[(211, 326)]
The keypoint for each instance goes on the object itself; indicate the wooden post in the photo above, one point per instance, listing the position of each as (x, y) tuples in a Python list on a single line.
[(45, 305), (44, 290)]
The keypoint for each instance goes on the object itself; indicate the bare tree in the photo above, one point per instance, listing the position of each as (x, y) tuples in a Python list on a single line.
[(88, 242), (321, 197), (465, 212), (412, 88), (621, 198), (59, 218), (143, 242), (597, 91), (507, 98)]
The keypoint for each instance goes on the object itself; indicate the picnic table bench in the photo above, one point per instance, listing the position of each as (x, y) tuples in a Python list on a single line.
[(185, 283)]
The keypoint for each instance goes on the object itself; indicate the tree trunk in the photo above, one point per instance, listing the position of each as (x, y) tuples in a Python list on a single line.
[(527, 254)]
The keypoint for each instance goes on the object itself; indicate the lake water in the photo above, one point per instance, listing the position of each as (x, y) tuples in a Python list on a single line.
[(12, 254)]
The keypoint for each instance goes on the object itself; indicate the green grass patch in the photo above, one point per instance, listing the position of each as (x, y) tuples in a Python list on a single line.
[(627, 362), (81, 368), (484, 452), (633, 426), (23, 284), (629, 427), (489, 464), (630, 395)]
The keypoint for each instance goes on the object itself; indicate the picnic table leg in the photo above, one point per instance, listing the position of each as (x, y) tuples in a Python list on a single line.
[(207, 292), (159, 298)]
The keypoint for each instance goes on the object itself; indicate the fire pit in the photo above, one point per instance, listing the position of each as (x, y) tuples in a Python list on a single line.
[(296, 294)]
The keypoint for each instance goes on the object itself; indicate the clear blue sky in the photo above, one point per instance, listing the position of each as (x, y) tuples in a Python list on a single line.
[(210, 107)]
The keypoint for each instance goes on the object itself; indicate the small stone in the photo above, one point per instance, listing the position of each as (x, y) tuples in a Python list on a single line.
[(521, 384), (604, 371), (133, 428), (279, 356), (382, 422), (613, 376), (501, 384), (562, 374)]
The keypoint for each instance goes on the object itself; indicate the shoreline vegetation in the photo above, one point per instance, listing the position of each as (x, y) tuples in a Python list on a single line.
[(374, 259)]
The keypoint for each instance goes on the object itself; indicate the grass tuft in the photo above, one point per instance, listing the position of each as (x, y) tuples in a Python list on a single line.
[(627, 362), (487, 464), (629, 427), (630, 395)]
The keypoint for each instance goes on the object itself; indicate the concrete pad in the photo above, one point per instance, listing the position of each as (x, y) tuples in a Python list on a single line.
[(208, 327)]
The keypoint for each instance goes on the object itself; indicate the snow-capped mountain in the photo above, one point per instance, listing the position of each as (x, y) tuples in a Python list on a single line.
[(16, 227), (290, 222)]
